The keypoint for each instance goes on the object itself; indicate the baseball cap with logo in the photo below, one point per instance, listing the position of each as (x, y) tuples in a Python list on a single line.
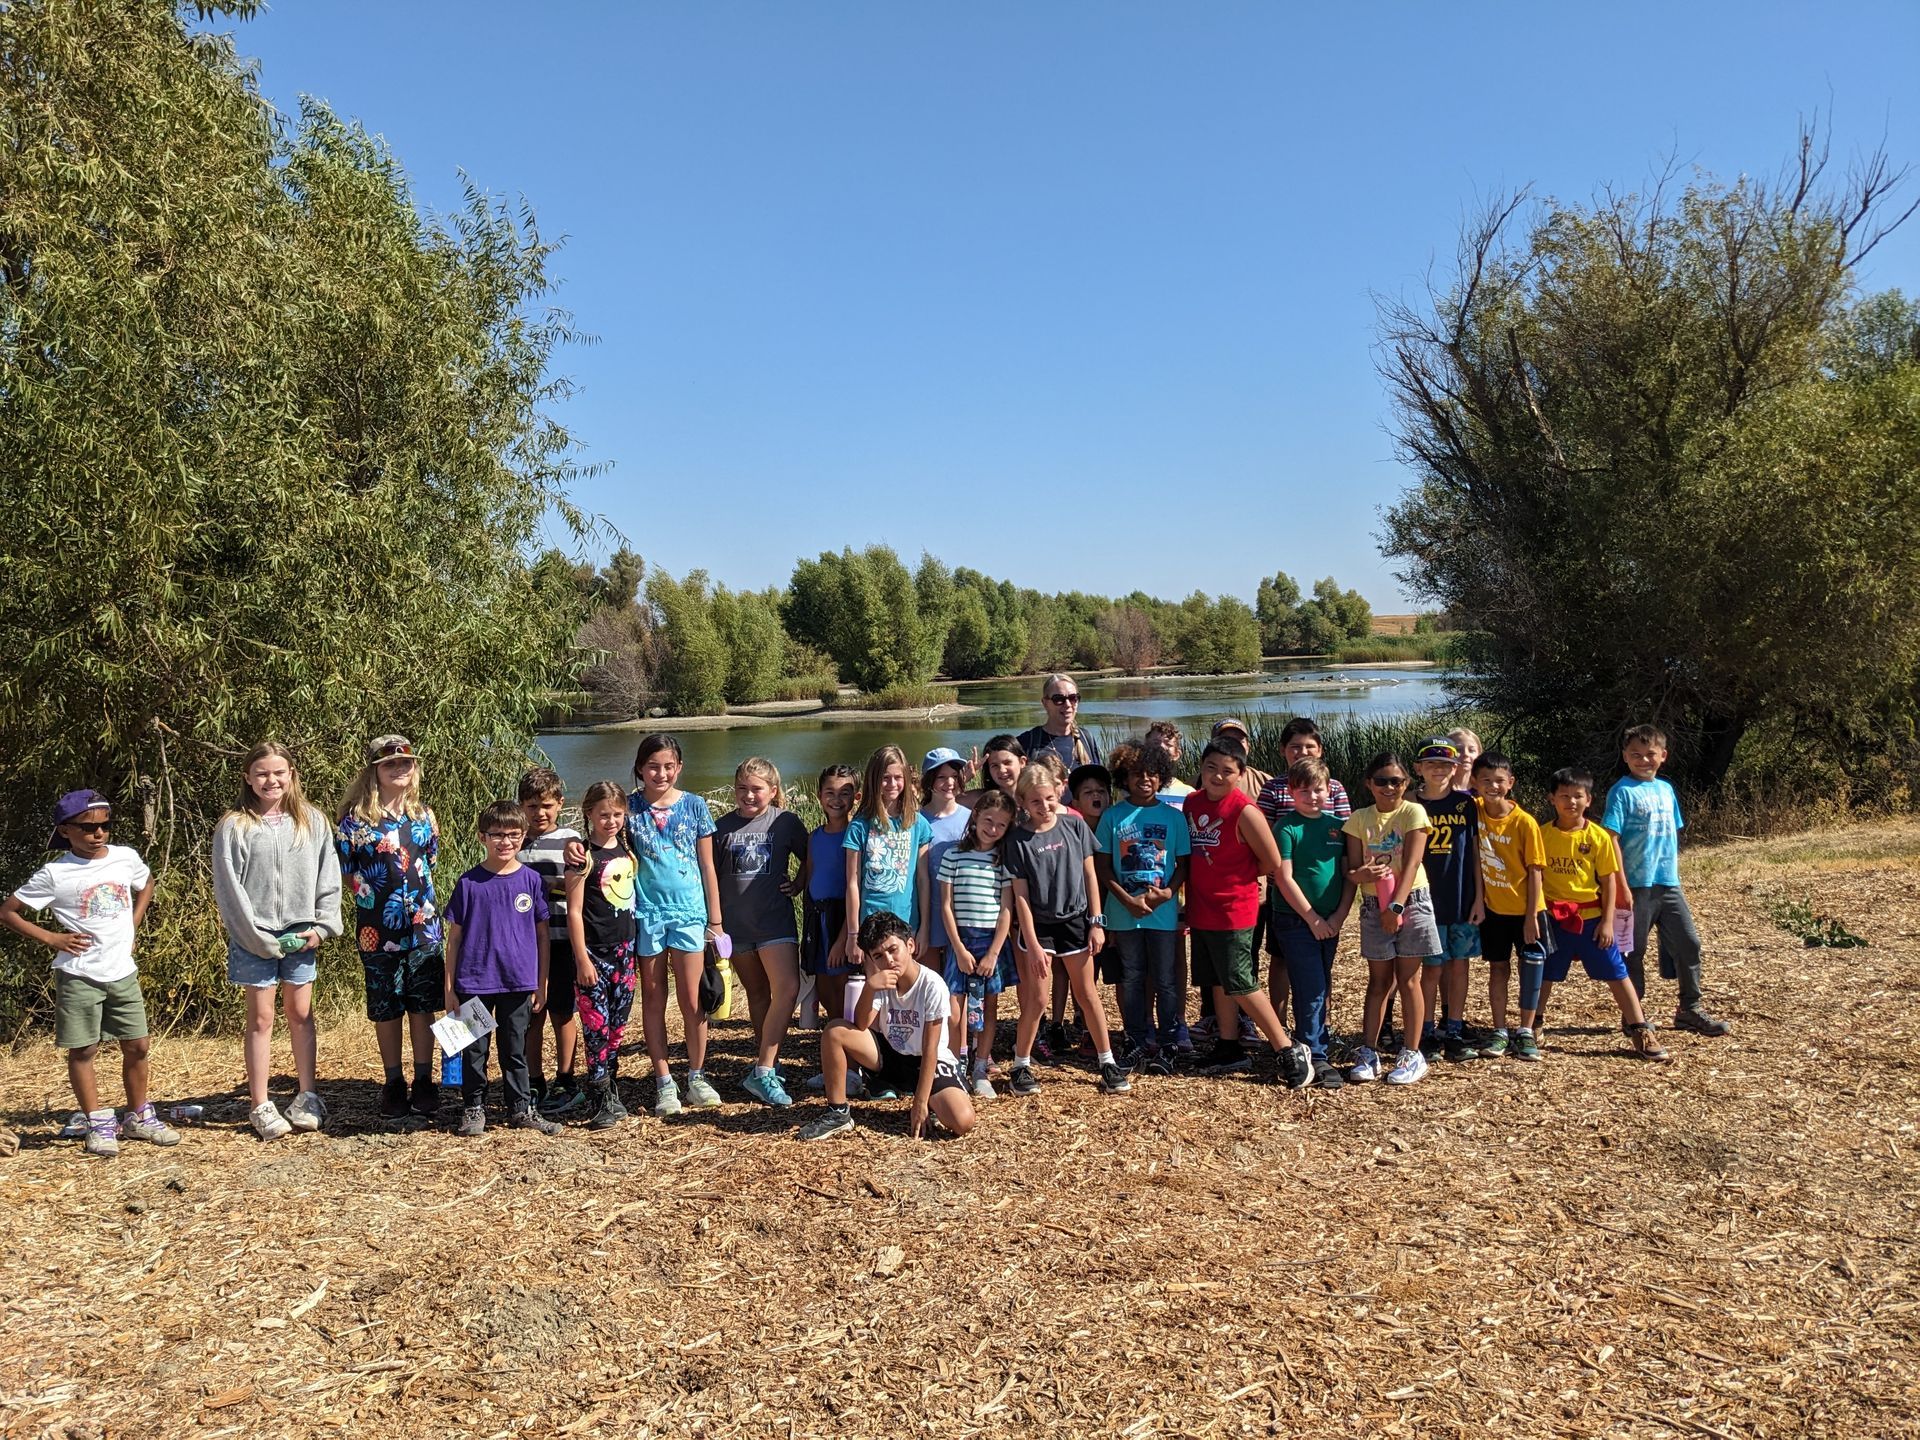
[(71, 806), (1436, 747)]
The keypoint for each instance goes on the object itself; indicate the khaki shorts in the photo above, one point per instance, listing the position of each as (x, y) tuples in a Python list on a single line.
[(85, 1012)]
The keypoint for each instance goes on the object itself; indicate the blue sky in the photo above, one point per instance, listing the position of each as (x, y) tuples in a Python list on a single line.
[(1079, 294)]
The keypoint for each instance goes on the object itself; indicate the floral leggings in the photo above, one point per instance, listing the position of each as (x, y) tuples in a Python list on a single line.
[(604, 1008)]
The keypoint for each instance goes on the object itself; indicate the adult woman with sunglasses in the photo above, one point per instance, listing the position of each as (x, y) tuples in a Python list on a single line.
[(1060, 732)]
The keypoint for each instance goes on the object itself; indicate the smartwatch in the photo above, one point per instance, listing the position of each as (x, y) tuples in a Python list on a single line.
[(1397, 908)]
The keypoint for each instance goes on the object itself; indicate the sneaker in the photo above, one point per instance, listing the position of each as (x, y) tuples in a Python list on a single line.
[(1526, 1045), (146, 1124), (308, 1112), (1225, 1058), (1698, 1022), (981, 1088), (103, 1137), (701, 1095), (563, 1098), (393, 1100), (1458, 1050), (425, 1099), (834, 1120), (1183, 1044), (1429, 1042), (1206, 1030), (473, 1122), (532, 1119), (882, 1091), (1644, 1045), (1495, 1046), (1249, 1032), (1366, 1066), (767, 1089), (1114, 1080), (1083, 1047), (1296, 1066), (268, 1122), (1325, 1077), (607, 1109), (666, 1098), (856, 1084), (1410, 1067), (1147, 1060), (1023, 1081)]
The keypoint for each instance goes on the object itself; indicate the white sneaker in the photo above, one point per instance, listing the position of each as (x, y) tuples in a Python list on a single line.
[(308, 1111), (982, 1088), (268, 1122), (1411, 1066), (1366, 1066)]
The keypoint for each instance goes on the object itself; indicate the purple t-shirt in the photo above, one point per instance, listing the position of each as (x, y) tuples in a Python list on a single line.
[(499, 918)]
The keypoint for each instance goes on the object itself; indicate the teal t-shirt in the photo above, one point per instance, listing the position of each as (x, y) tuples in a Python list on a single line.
[(1144, 842), (889, 863), (1317, 850)]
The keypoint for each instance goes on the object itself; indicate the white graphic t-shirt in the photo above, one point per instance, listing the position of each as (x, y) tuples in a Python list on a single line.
[(903, 1015), (91, 897)]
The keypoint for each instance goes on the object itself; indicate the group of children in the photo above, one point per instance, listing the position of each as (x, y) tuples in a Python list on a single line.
[(921, 899)]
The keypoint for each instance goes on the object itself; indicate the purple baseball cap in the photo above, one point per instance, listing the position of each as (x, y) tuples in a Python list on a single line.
[(69, 807)]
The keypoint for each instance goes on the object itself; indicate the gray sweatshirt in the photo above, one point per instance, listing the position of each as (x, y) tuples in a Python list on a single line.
[(273, 877)]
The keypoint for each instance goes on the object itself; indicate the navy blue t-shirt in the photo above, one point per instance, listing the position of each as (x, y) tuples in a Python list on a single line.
[(1453, 840)]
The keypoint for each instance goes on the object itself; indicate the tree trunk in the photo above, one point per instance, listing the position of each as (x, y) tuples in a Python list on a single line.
[(1719, 735)]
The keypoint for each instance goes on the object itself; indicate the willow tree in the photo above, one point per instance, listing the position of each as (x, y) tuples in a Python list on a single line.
[(1645, 475), (274, 440)]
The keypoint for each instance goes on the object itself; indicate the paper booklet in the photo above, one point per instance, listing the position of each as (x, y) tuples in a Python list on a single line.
[(458, 1029)]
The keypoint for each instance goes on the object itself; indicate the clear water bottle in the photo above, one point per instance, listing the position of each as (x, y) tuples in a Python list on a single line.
[(186, 1114), (976, 1003)]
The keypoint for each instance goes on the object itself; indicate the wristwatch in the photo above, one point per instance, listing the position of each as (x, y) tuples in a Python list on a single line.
[(1099, 920), (1397, 908)]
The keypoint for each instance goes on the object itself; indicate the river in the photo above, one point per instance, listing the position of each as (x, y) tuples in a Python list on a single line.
[(1111, 709)]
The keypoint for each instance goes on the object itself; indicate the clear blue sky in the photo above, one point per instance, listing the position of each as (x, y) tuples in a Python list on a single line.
[(1045, 288)]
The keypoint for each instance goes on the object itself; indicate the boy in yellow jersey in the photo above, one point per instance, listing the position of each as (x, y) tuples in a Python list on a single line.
[(1511, 866), (1581, 863)]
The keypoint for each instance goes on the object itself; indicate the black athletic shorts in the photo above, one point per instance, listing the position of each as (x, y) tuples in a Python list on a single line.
[(902, 1072)]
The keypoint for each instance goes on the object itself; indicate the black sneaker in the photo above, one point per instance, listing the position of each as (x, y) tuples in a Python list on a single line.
[(1023, 1081), (1699, 1022), (1148, 1060), (1296, 1066), (473, 1122), (531, 1119), (1059, 1042), (1325, 1077), (834, 1120), (1226, 1058), (393, 1100), (1457, 1049), (1114, 1080), (426, 1097)]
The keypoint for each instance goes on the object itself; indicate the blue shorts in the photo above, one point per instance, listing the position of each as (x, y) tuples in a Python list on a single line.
[(256, 972), (1601, 959), (655, 934), (1006, 973), (1457, 942)]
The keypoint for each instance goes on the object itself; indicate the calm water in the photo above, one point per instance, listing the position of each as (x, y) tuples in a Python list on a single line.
[(1112, 709)]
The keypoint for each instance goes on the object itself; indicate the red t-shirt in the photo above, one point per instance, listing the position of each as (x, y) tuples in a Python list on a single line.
[(1223, 878)]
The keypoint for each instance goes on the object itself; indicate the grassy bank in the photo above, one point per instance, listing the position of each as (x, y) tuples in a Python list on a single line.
[(1435, 645)]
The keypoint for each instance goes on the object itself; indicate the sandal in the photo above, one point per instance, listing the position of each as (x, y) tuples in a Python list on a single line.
[(1644, 1045)]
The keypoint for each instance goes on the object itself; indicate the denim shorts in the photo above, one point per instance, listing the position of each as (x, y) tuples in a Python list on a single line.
[(256, 972), (1418, 935), (1457, 942), (1006, 974)]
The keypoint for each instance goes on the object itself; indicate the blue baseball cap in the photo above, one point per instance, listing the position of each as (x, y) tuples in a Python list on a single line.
[(71, 806), (942, 755)]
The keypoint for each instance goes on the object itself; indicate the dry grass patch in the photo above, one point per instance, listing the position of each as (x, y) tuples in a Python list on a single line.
[(1589, 1247)]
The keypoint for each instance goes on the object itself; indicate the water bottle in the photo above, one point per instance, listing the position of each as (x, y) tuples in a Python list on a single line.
[(450, 1069), (976, 1002), (186, 1114)]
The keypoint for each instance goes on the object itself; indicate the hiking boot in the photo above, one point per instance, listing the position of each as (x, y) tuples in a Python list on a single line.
[(393, 1100), (103, 1136), (473, 1122), (307, 1113), (1325, 1077), (607, 1110), (1457, 1049), (1410, 1068), (1366, 1066), (1114, 1080), (834, 1120), (1495, 1046), (1226, 1058), (1296, 1066), (425, 1099), (666, 1097), (1644, 1045), (1696, 1021), (532, 1119), (1526, 1045), (1023, 1081), (146, 1124), (268, 1123)]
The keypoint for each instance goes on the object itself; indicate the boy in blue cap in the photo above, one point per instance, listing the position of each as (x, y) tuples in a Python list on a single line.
[(99, 892)]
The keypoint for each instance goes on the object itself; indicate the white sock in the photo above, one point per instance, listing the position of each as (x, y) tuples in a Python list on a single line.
[(1020, 1060), (1105, 1057)]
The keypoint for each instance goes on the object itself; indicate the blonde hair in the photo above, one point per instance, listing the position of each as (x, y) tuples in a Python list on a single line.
[(1034, 776), (1461, 736), (1050, 761), (761, 768), (872, 808), (363, 795), (1081, 754), (246, 810)]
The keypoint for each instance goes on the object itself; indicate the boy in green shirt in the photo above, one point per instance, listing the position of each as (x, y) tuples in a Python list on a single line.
[(1312, 895)]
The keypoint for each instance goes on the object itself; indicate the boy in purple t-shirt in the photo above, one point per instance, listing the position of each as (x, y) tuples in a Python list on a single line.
[(496, 951)]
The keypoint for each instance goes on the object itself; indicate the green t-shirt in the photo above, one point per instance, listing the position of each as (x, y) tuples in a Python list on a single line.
[(1318, 852)]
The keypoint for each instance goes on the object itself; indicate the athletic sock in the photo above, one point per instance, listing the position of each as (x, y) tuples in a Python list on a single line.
[(1020, 1060), (1105, 1057)]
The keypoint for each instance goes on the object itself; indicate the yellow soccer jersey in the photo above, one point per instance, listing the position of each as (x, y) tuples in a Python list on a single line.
[(1577, 861)]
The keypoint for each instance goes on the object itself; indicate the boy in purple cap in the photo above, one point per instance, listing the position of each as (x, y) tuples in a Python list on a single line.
[(99, 892)]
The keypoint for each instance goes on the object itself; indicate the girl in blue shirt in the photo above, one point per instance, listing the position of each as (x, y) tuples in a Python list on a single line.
[(886, 846)]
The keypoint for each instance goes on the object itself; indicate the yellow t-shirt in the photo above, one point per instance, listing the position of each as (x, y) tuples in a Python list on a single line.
[(1577, 861), (1508, 849), (1383, 835)]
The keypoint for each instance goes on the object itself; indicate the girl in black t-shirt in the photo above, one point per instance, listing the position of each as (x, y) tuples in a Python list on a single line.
[(600, 921)]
